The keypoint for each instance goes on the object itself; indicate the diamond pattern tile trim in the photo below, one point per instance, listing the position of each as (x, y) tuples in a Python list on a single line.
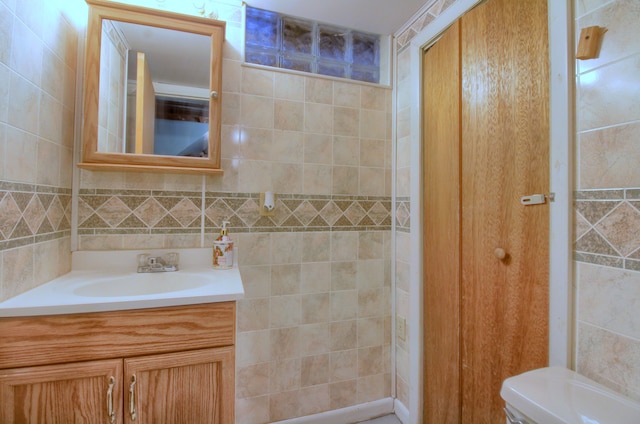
[(143, 211), (31, 213), (607, 227)]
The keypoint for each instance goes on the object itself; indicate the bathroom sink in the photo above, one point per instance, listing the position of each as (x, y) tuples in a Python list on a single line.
[(140, 284), (108, 281)]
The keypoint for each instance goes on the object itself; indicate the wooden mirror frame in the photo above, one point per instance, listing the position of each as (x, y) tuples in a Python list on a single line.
[(92, 159)]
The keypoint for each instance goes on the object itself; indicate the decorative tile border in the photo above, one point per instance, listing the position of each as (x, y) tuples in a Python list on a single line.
[(31, 213), (404, 38), (180, 212), (607, 225), (403, 208)]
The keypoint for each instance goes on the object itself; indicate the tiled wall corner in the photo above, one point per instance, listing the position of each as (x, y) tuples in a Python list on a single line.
[(607, 201), (37, 104)]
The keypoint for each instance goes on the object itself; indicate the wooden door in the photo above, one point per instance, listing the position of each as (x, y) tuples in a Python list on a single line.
[(441, 223), (503, 155), (193, 387), (75, 393)]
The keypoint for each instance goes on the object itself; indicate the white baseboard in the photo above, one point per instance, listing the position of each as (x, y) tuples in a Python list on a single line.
[(352, 414), (401, 411)]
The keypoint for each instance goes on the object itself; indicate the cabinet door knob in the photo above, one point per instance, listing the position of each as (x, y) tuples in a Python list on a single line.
[(214, 95), (500, 253)]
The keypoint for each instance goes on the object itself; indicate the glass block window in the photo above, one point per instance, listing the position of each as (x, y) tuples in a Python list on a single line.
[(282, 41)]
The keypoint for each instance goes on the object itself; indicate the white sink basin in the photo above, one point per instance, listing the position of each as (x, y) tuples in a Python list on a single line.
[(141, 284), (108, 281)]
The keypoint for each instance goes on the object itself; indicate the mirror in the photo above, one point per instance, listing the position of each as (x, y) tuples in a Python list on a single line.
[(152, 80)]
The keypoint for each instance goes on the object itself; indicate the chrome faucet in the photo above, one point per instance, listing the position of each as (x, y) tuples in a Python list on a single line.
[(166, 263)]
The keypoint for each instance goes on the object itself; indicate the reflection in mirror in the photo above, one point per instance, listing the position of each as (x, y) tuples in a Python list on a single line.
[(150, 102)]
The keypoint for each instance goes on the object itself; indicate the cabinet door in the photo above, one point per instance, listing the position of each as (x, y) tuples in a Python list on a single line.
[(75, 393), (190, 387)]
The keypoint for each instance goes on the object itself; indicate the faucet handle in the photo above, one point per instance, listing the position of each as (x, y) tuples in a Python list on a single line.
[(143, 259)]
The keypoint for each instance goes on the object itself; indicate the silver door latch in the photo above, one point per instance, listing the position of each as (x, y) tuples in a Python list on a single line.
[(537, 199)]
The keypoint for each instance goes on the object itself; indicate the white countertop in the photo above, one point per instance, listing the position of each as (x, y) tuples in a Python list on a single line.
[(96, 279)]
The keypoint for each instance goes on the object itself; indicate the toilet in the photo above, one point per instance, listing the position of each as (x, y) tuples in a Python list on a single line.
[(557, 395)]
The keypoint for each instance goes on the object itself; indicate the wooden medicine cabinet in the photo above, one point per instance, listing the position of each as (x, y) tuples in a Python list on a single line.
[(152, 90)]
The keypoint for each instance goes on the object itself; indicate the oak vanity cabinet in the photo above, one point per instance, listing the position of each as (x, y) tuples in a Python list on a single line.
[(171, 365)]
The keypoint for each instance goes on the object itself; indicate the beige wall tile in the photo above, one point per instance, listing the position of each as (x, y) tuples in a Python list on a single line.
[(289, 87), (257, 111), (285, 343), (256, 281), (372, 152), (252, 381), (285, 311), (314, 400), (317, 179), (318, 90), (318, 148), (26, 52), (254, 143), (608, 157), (374, 98), (343, 394), (315, 277), (370, 332), (314, 339), (257, 81), (284, 375), (253, 314), (285, 279), (344, 275), (346, 121), (343, 335), (346, 151), (314, 370), (17, 271), (343, 365), (315, 308), (288, 146), (370, 361), (371, 388), (289, 115), (607, 95), (610, 359), (344, 305), (316, 247), (284, 405), (373, 124), (345, 180), (24, 98), (253, 410), (346, 94), (21, 147), (318, 118), (609, 298)]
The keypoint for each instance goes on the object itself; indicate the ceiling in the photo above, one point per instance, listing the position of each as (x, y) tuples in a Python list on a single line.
[(376, 16)]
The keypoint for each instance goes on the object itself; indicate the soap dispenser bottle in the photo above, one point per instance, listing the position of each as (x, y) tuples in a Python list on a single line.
[(223, 249)]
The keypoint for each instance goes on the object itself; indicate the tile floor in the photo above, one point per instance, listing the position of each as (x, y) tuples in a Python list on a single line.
[(387, 419)]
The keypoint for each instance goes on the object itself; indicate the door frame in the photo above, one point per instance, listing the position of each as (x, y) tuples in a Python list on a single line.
[(561, 121)]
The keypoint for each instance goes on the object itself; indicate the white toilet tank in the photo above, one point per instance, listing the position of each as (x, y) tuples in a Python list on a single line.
[(559, 396)]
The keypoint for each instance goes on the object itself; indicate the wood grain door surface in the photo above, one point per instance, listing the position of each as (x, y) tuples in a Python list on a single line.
[(501, 303)]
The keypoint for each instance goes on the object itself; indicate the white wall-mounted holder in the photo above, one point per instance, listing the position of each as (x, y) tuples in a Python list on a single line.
[(267, 203)]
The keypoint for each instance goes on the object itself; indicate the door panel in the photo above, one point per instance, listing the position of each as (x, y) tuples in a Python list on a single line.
[(505, 155), (441, 82), (181, 388), (485, 317), (73, 393)]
